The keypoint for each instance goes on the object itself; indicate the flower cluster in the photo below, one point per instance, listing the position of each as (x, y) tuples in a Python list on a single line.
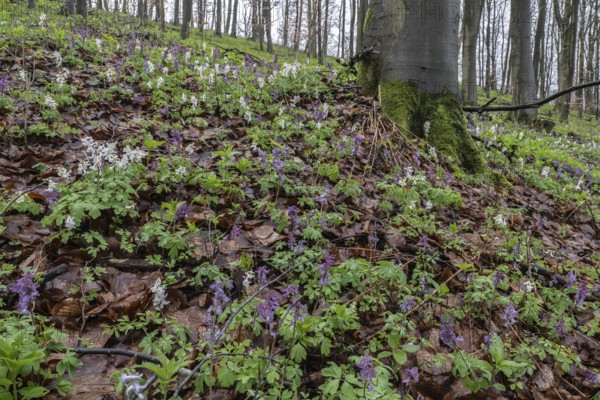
[(267, 308), (366, 367), (134, 387), (325, 266), (27, 290), (447, 334), (509, 315), (160, 295), (50, 103), (411, 375), (100, 155)]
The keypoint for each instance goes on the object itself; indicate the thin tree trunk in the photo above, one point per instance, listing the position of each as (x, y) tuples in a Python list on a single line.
[(176, 13), (266, 10), (538, 49), (352, 25), (360, 24), (187, 16), (523, 83), (218, 17), (234, 19), (567, 26), (228, 19), (343, 29), (298, 25), (470, 31)]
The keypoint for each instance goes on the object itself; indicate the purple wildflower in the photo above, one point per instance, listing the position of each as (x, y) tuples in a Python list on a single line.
[(263, 157), (300, 310), (4, 83), (278, 163), (498, 278), (448, 177), (27, 290), (52, 196), (416, 157), (118, 66), (220, 298), (509, 315), (175, 63), (559, 328), (447, 334), (357, 143), (411, 375), (571, 278), (134, 388), (300, 247), (176, 137), (323, 198), (130, 48), (407, 304), (267, 308), (342, 145), (262, 275), (366, 366), (293, 215), (182, 212), (591, 375), (424, 244), (325, 266), (165, 111), (582, 293), (236, 232)]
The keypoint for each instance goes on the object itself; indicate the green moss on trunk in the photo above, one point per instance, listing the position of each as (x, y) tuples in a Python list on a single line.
[(403, 103)]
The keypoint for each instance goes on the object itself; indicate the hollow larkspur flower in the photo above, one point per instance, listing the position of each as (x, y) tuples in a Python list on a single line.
[(366, 367), (27, 290)]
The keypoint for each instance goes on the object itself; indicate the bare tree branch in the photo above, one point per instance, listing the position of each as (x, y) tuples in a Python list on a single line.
[(537, 104)]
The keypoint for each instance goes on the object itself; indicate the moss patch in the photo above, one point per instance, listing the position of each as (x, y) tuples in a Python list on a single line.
[(403, 104)]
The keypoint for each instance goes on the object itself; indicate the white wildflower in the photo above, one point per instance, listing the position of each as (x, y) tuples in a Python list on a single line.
[(426, 127), (160, 295), (169, 57), (150, 86), (159, 82), (428, 205), (281, 111), (546, 172), (248, 116), (248, 276), (165, 70), (189, 149), (433, 153), (187, 57), (181, 171), (150, 67), (282, 123), (579, 183), (500, 220), (49, 102), (110, 74), (194, 101), (528, 286), (69, 223), (42, 18), (62, 172), (261, 82), (307, 60), (99, 44), (51, 184), (211, 79), (57, 58), (23, 75), (183, 98)]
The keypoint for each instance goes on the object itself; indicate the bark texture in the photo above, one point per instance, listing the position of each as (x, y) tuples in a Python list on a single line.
[(413, 68), (470, 31), (523, 81)]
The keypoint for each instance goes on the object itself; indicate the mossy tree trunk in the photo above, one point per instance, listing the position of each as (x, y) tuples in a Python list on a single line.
[(414, 71)]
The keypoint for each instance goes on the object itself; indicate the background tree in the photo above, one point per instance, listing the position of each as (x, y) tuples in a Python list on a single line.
[(524, 86), (469, 33), (187, 16), (567, 27), (414, 71)]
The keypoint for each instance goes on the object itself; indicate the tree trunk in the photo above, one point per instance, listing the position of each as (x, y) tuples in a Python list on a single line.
[(176, 13), (234, 19), (319, 31), (286, 23), (352, 25), (187, 15), (470, 31), (414, 71), (343, 29), (538, 48), (325, 38), (361, 23), (298, 24), (523, 81), (218, 17), (81, 7), (567, 27), (266, 14), (228, 19)]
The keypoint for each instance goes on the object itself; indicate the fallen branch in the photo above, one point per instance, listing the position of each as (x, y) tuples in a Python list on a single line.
[(537, 104)]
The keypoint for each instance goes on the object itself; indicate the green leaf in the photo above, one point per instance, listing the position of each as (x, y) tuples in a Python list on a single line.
[(225, 377), (33, 392), (151, 143), (499, 386), (348, 391), (331, 387), (298, 353), (400, 356), (411, 348)]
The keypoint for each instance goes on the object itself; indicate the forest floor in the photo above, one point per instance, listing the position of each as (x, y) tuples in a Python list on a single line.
[(256, 221)]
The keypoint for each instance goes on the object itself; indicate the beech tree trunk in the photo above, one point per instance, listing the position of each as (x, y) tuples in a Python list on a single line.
[(266, 15), (414, 72), (176, 13), (234, 19), (470, 31), (523, 82), (567, 27), (218, 17), (187, 16), (538, 48)]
